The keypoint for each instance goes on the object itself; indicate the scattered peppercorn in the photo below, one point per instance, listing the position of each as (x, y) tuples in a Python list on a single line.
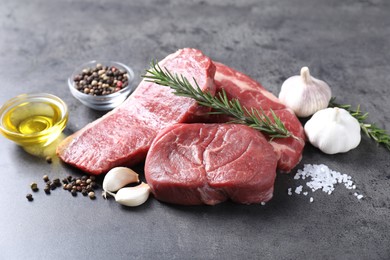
[(101, 80), (47, 190), (84, 184), (34, 186), (29, 197), (57, 182), (53, 186), (91, 195), (49, 159), (93, 185)]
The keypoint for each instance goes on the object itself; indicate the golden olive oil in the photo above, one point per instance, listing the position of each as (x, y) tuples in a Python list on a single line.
[(36, 122)]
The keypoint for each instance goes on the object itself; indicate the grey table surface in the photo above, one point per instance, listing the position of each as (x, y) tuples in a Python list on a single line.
[(345, 43)]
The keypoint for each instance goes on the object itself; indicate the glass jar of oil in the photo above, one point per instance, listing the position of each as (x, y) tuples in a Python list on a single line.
[(33, 119)]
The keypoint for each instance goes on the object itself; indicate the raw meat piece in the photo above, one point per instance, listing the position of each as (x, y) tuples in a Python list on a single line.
[(122, 137), (192, 164), (251, 94)]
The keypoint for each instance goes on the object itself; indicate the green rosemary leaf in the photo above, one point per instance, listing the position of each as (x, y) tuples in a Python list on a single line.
[(220, 103)]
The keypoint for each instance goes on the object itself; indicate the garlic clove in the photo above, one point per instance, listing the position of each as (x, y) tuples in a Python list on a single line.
[(117, 178), (133, 196), (305, 94)]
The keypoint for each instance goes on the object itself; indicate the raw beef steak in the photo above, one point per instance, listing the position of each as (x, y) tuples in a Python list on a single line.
[(251, 94), (124, 135), (192, 164)]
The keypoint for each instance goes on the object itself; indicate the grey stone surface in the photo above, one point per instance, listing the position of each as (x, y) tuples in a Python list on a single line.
[(345, 43)]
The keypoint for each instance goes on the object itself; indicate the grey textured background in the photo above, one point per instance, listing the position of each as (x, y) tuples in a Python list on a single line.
[(345, 43)]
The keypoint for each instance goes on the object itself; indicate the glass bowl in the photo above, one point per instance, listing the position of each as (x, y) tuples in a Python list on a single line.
[(102, 102), (33, 119)]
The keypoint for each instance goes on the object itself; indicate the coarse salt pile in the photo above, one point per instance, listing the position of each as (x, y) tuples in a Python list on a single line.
[(322, 178)]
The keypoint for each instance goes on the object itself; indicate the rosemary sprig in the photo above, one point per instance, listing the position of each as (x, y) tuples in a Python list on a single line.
[(371, 130), (220, 103)]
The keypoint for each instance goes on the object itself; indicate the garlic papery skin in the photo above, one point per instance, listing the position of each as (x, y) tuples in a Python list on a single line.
[(133, 196), (333, 130), (305, 94), (117, 178)]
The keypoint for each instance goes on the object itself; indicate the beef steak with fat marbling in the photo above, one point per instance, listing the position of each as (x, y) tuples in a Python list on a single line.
[(192, 164), (252, 94), (122, 137)]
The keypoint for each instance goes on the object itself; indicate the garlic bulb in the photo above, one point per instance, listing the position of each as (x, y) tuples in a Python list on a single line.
[(305, 94), (133, 196), (333, 130), (117, 178)]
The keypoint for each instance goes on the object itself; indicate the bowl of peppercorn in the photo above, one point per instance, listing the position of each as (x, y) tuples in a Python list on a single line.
[(101, 85)]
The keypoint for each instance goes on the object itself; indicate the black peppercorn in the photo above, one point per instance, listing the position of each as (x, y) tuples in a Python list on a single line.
[(93, 184), (47, 190), (34, 187), (57, 182), (29, 197), (49, 159), (53, 186), (45, 178)]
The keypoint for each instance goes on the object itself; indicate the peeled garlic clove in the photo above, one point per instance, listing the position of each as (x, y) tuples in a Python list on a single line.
[(133, 196), (305, 94), (117, 178)]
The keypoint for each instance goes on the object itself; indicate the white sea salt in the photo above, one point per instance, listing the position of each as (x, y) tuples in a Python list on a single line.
[(298, 189), (358, 196), (320, 177)]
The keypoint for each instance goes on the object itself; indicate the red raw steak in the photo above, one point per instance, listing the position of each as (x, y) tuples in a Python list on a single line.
[(124, 135), (192, 164), (251, 94)]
